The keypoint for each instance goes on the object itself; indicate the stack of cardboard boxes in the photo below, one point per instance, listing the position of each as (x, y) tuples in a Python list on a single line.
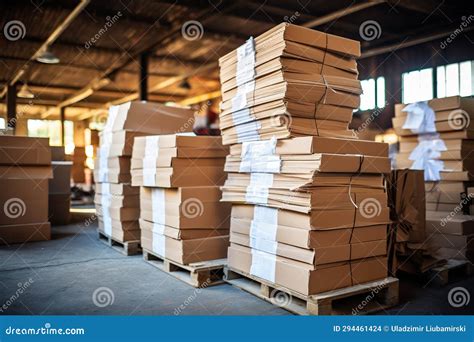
[(181, 216), (59, 187), (117, 202), (78, 171), (25, 169), (289, 81), (309, 209), (438, 137)]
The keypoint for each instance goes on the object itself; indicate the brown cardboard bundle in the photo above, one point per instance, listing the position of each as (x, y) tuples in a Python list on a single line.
[(444, 115), (186, 224), (407, 249), (302, 277), (25, 170), (60, 192), (178, 160), (451, 235), (309, 204), (181, 216), (117, 203), (290, 81)]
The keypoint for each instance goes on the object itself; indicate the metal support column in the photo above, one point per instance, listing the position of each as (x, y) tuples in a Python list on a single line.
[(143, 81)]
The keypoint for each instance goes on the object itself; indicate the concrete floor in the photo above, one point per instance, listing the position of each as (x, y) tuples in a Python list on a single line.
[(67, 270)]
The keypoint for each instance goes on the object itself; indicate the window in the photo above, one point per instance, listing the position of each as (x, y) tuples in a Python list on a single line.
[(417, 85), (51, 129), (373, 94), (455, 79), (2, 123)]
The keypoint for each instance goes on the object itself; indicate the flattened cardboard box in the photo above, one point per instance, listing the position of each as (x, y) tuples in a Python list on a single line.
[(307, 279), (27, 232), (118, 213), (116, 189), (17, 150), (185, 208), (316, 256), (23, 201), (316, 238), (185, 251), (317, 219), (59, 208), (447, 224), (151, 118), (130, 201), (181, 234), (120, 234), (179, 177), (61, 181), (312, 145)]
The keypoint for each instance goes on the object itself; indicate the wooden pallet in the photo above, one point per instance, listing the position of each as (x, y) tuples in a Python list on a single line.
[(126, 248), (358, 299), (198, 274), (450, 272)]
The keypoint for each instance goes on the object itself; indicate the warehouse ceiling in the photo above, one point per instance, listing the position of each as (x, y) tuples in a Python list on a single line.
[(99, 50)]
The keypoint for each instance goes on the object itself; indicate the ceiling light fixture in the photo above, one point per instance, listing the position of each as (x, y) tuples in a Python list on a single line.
[(25, 92), (47, 57)]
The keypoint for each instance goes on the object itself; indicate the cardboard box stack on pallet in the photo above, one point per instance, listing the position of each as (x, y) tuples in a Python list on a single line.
[(437, 136), (25, 169), (309, 210), (117, 202), (59, 187), (181, 216), (408, 250)]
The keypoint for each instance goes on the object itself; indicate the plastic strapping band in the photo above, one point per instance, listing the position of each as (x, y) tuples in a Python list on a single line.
[(357, 173)]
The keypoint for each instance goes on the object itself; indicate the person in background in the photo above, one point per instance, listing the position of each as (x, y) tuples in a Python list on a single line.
[(206, 120)]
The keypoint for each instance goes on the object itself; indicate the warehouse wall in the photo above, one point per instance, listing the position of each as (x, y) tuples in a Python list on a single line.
[(392, 65)]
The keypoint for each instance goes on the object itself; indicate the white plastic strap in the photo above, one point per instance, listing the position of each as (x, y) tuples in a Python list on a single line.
[(258, 188), (254, 149), (248, 131), (420, 118), (264, 223), (158, 228), (425, 157), (158, 205), (149, 160), (159, 244), (263, 265), (105, 201), (245, 62), (259, 156)]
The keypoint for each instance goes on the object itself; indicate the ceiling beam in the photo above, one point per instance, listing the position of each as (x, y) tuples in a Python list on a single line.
[(342, 13), (409, 42), (50, 40)]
